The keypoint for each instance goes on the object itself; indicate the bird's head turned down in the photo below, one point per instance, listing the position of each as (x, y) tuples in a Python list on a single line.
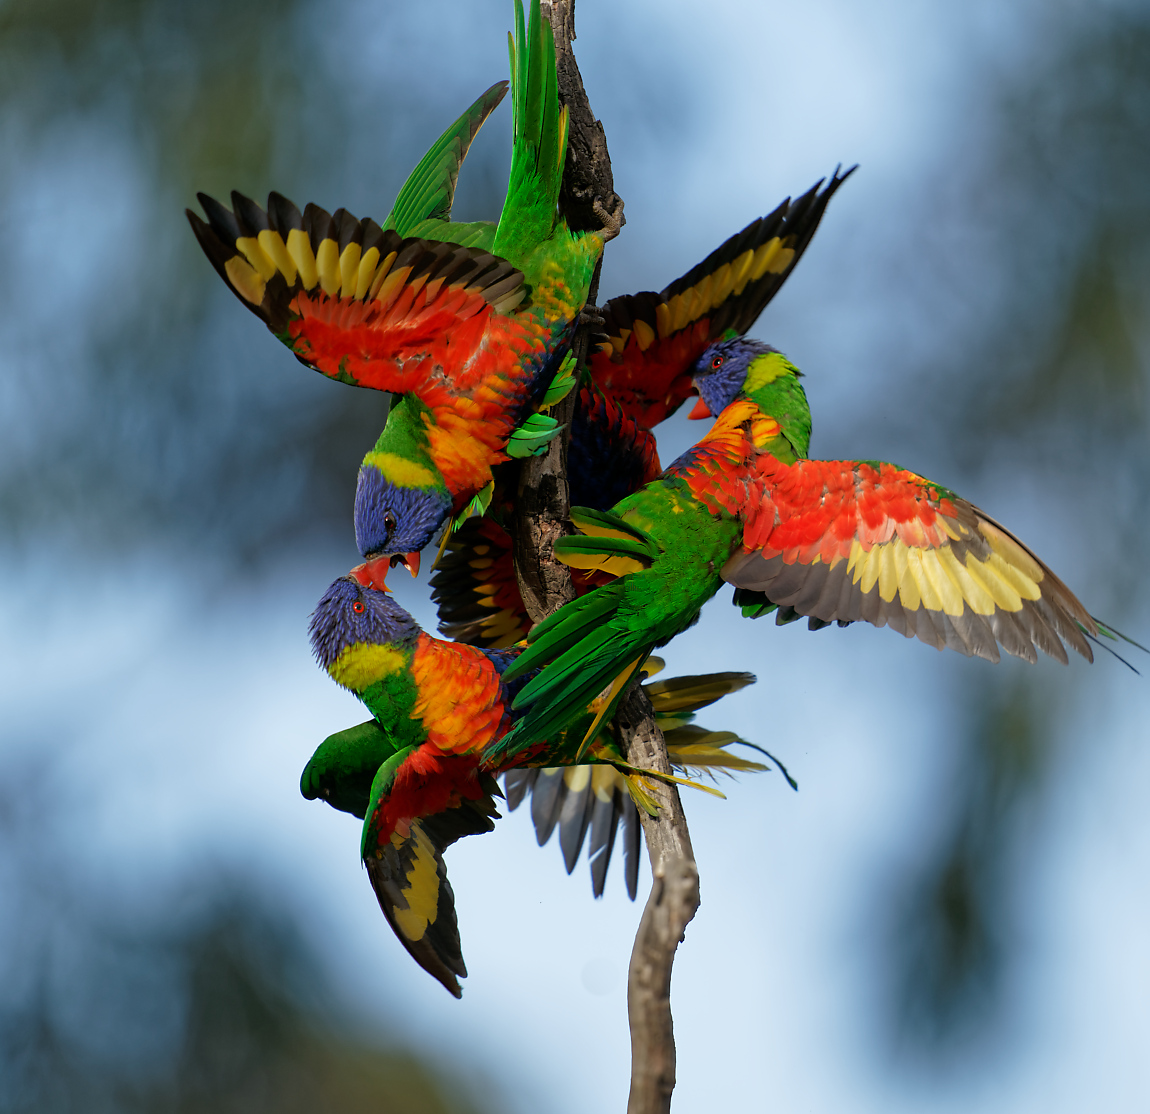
[(396, 518), (351, 613)]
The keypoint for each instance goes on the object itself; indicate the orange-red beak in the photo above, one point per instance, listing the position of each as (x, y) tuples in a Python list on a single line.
[(373, 574), (409, 561), (702, 410)]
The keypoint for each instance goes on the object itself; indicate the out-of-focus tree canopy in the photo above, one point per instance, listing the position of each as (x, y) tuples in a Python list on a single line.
[(1040, 281), (141, 407)]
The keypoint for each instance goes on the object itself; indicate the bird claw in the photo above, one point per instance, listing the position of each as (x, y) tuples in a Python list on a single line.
[(591, 317), (613, 219)]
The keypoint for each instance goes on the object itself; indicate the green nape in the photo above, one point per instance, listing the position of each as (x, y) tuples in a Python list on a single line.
[(772, 383), (429, 191), (403, 449)]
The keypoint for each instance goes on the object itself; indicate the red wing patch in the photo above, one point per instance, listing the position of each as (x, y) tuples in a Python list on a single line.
[(845, 540), (357, 303)]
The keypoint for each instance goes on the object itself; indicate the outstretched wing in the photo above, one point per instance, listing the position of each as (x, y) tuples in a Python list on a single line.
[(475, 587), (654, 339), (421, 802), (357, 303), (846, 540)]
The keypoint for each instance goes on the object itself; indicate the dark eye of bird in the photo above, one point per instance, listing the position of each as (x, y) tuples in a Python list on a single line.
[(716, 363), (358, 607), (389, 523)]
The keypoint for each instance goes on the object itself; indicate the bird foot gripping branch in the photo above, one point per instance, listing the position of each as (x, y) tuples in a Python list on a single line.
[(612, 219)]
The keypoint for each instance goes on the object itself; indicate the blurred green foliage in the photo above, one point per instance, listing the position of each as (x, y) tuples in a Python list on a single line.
[(143, 410), (1049, 387), (200, 993), (219, 1010), (952, 928)]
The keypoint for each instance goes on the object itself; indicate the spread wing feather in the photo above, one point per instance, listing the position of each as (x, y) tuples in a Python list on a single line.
[(654, 339), (844, 541), (356, 302)]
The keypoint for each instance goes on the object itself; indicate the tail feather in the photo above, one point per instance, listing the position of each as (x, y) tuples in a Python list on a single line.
[(591, 665), (547, 801), (565, 628), (607, 810), (576, 814), (676, 694), (540, 138), (632, 849), (429, 191)]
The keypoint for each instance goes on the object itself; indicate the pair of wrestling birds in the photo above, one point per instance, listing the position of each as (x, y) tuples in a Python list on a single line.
[(469, 327)]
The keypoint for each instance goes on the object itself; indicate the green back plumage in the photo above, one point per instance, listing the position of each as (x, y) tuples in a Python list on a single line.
[(423, 205), (609, 632), (540, 140)]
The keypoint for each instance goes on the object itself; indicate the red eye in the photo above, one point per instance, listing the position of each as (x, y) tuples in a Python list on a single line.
[(358, 607), (716, 363)]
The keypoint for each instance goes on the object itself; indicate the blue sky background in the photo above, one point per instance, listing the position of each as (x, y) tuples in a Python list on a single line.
[(952, 911)]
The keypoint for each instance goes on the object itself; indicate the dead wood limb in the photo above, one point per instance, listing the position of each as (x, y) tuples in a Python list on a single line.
[(672, 904), (542, 511)]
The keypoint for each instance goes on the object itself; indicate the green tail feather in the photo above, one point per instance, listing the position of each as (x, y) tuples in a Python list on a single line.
[(606, 547), (467, 234), (572, 666), (563, 629), (540, 139), (596, 523), (429, 191), (586, 653)]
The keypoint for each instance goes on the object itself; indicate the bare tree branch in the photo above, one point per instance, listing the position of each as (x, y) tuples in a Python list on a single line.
[(541, 510), (588, 191), (672, 904)]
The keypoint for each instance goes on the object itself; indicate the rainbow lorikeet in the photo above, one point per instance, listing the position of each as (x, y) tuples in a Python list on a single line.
[(639, 374), (467, 323), (416, 773), (832, 540)]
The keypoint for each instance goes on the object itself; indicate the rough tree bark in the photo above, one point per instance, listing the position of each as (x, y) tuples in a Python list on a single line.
[(588, 190)]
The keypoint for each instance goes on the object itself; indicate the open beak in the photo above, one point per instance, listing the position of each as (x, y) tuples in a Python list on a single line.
[(373, 574), (409, 561), (702, 410)]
